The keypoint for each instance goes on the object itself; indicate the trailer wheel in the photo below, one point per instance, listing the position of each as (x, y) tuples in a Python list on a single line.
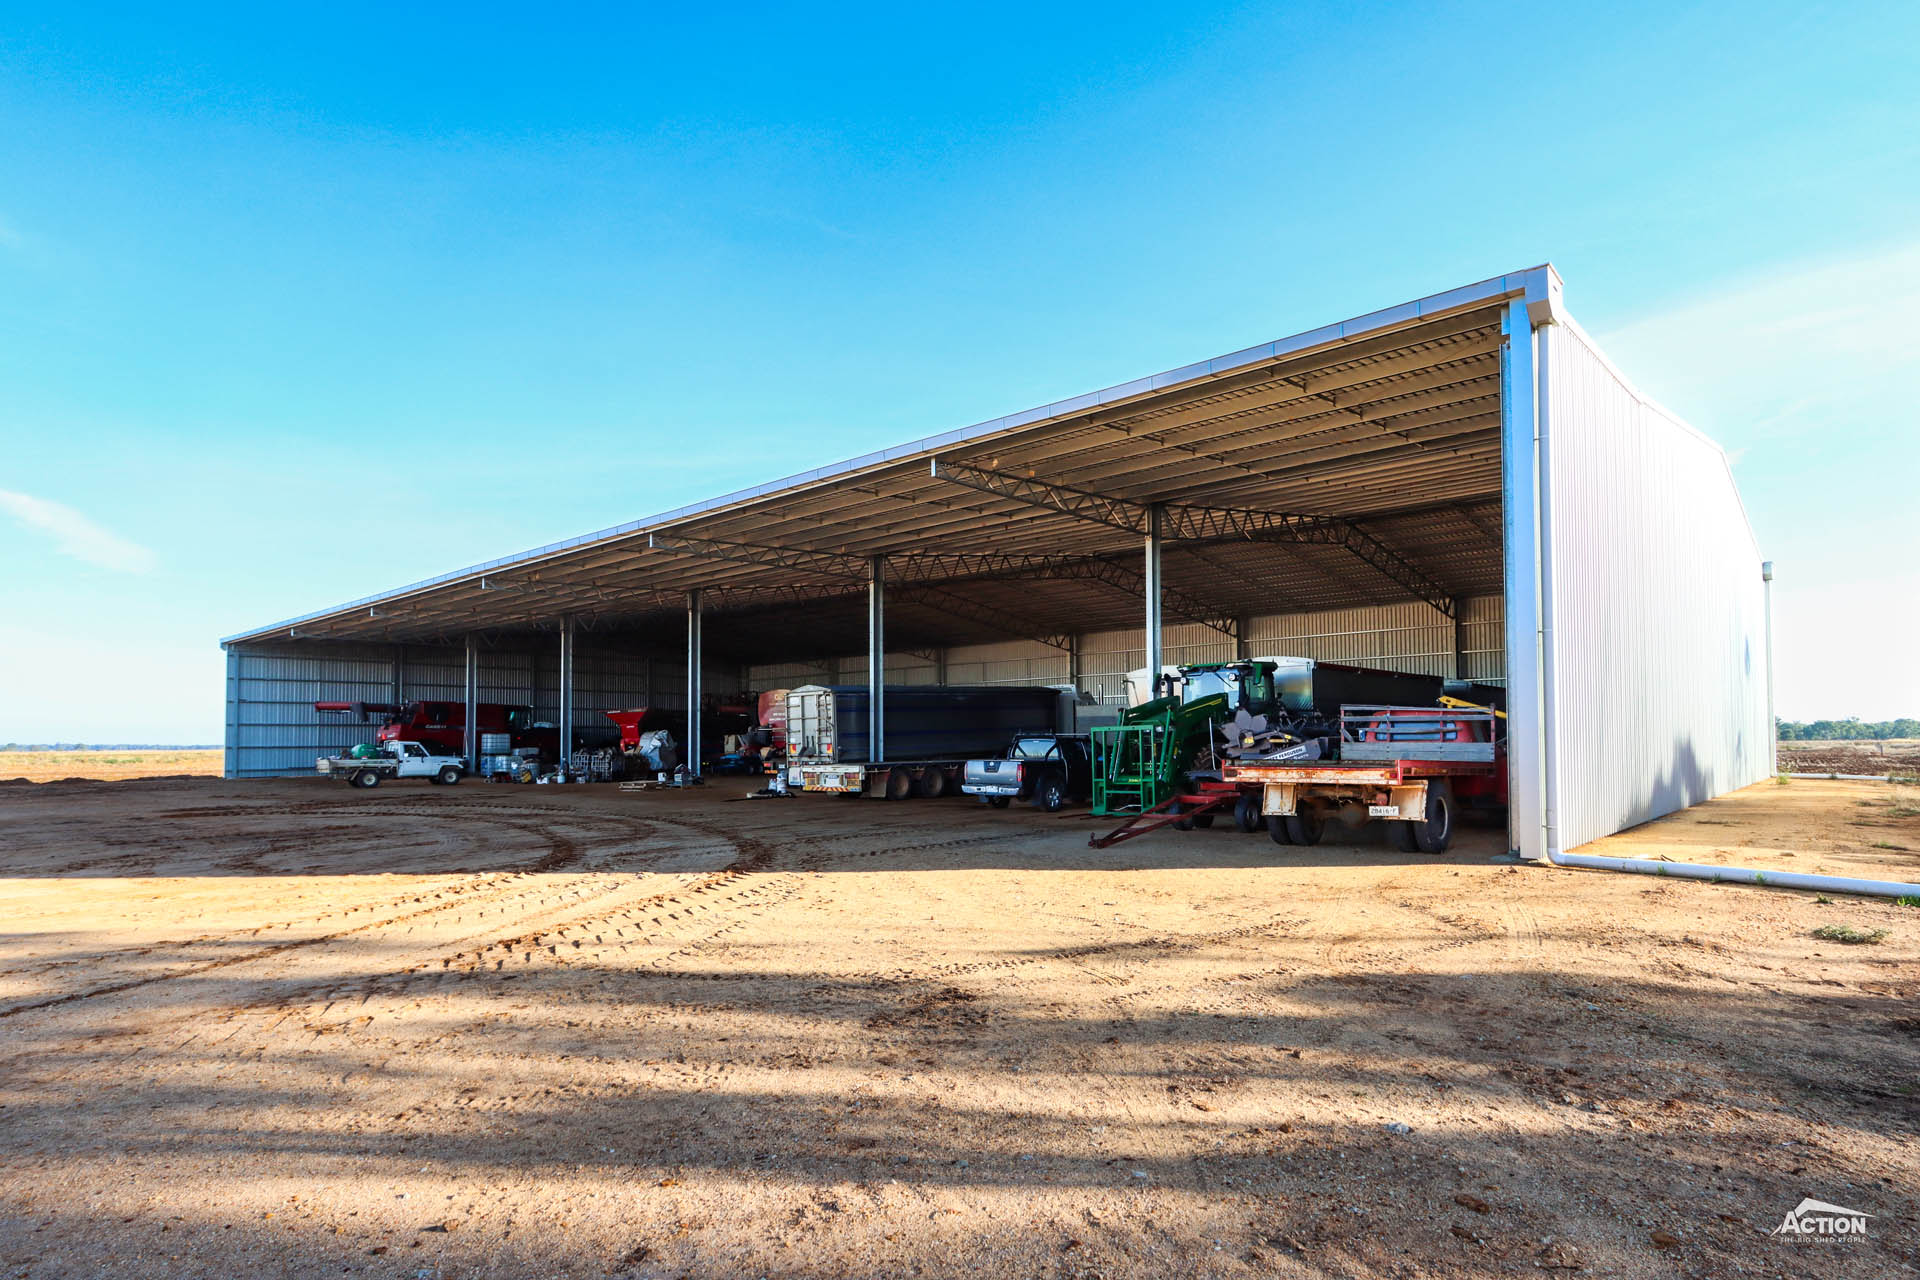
[(366, 778), (931, 785), (1246, 814), (1203, 821), (900, 784), (1304, 827), (1435, 833), (449, 776), (1277, 829), (1400, 835), (1180, 824)]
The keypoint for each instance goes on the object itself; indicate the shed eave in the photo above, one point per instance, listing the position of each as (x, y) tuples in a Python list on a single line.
[(1534, 282)]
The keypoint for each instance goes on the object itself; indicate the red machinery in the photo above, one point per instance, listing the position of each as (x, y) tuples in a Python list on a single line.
[(444, 724)]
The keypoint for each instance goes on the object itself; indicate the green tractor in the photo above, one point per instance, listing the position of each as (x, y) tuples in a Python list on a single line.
[(1144, 761)]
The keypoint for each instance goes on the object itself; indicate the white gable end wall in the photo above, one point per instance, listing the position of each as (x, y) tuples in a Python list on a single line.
[(1656, 653)]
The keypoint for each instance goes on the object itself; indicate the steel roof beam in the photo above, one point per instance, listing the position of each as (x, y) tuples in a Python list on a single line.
[(1205, 524), (1013, 625), (824, 563)]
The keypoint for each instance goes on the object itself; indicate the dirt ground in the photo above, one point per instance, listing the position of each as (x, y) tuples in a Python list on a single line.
[(1894, 757), (284, 1028), (109, 766)]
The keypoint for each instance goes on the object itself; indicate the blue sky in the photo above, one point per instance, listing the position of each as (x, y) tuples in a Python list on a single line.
[(484, 279)]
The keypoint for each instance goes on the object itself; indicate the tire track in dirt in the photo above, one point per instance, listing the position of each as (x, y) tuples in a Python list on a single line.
[(563, 851), (549, 900)]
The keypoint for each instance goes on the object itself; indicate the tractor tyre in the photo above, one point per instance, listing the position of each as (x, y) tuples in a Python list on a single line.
[(1277, 829), (1435, 833), (1305, 826)]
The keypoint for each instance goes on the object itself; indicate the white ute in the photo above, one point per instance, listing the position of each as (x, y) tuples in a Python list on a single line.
[(397, 760)]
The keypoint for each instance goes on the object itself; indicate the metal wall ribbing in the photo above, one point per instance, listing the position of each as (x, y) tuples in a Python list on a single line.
[(1654, 607), (273, 730)]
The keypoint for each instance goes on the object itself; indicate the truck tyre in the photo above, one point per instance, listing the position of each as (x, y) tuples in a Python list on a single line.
[(931, 785), (1246, 814), (366, 778), (1305, 826), (1400, 836), (999, 802), (449, 775), (1050, 795), (1435, 833), (900, 784), (1277, 829)]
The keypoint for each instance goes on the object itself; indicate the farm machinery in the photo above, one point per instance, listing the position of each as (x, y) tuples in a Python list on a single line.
[(1288, 744)]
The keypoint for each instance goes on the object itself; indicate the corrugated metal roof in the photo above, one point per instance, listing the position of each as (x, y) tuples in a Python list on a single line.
[(1390, 420)]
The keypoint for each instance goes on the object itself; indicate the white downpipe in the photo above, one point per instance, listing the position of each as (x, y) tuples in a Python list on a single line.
[(1737, 875)]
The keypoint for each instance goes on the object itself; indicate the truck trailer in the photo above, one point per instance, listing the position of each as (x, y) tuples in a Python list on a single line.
[(931, 731)]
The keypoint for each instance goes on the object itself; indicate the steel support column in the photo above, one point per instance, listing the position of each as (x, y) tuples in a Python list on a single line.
[(876, 659), (1155, 519), (470, 736), (566, 696), (694, 693), (1520, 509)]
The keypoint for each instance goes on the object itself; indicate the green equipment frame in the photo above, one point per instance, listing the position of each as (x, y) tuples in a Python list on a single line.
[(1141, 763)]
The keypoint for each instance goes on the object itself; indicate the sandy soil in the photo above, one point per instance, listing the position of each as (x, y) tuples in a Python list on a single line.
[(284, 1028), (108, 766)]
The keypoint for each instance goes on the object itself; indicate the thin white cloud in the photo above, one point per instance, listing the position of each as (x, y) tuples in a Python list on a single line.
[(1806, 347), (77, 536)]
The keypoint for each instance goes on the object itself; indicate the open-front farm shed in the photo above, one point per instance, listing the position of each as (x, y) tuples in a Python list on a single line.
[(1460, 485)]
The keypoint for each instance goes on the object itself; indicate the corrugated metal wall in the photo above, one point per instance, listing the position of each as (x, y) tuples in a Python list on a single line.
[(273, 730), (1657, 654)]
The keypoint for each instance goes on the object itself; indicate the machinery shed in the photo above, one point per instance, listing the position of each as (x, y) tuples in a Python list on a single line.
[(1462, 485)]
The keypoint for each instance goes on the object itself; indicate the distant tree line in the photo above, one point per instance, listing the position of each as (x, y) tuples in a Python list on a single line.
[(1828, 730)]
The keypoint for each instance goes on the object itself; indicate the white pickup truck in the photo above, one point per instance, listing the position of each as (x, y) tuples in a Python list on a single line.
[(394, 760)]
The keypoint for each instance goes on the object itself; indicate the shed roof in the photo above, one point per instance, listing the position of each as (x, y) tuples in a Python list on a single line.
[(1358, 463)]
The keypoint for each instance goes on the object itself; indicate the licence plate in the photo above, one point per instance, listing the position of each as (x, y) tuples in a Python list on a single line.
[(1383, 811)]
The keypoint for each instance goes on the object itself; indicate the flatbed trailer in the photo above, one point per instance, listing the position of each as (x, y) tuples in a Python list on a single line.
[(1415, 769), (893, 779)]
